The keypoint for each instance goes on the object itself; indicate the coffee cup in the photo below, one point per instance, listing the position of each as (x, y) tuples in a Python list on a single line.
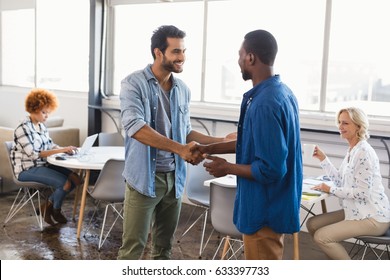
[(308, 152)]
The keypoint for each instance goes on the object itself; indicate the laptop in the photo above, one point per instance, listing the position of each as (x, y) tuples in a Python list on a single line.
[(87, 145)]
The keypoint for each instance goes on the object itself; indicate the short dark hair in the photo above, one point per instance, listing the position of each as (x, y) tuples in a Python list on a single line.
[(262, 44), (160, 35)]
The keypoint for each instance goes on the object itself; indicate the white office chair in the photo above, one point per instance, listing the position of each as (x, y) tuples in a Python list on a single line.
[(221, 212), (26, 192), (109, 188), (371, 244), (222, 197), (105, 139), (199, 195)]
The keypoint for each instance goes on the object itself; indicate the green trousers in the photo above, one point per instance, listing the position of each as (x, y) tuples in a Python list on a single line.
[(159, 214)]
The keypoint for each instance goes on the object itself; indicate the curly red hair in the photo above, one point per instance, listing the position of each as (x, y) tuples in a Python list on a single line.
[(38, 99)]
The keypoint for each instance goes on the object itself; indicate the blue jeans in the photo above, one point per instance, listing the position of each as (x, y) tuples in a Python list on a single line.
[(53, 176)]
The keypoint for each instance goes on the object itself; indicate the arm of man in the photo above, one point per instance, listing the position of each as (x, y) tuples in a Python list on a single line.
[(213, 145), (219, 167), (227, 147), (202, 138)]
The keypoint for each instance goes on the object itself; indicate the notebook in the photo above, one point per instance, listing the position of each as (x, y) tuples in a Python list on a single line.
[(87, 145), (308, 183)]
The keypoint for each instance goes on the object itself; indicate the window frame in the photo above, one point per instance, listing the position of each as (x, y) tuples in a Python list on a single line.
[(37, 44), (218, 109)]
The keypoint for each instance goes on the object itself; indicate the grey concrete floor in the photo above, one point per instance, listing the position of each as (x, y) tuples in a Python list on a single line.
[(21, 238)]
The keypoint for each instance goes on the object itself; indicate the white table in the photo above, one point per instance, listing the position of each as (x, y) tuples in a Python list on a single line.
[(94, 160), (307, 203)]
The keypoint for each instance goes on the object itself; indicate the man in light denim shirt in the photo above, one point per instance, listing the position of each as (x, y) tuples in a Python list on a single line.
[(158, 142)]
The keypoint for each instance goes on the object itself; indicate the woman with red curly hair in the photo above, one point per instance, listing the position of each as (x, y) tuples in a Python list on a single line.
[(32, 146)]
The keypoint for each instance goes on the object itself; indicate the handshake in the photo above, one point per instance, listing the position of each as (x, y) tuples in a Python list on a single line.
[(193, 152)]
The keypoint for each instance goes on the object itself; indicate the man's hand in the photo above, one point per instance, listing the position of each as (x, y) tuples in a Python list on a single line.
[(201, 149), (191, 154), (216, 166)]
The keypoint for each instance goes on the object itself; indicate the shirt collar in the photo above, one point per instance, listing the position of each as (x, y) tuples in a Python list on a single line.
[(150, 76), (250, 94)]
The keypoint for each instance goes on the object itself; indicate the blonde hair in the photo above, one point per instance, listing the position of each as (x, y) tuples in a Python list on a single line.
[(359, 118), (37, 99)]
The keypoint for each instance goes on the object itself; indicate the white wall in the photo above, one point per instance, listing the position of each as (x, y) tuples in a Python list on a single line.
[(73, 107)]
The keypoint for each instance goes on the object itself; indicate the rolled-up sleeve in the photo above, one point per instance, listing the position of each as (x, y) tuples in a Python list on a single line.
[(133, 106)]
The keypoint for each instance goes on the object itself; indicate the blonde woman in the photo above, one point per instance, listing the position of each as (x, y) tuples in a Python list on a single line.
[(358, 185)]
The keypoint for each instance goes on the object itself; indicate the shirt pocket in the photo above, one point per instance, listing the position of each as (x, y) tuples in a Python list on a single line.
[(183, 112)]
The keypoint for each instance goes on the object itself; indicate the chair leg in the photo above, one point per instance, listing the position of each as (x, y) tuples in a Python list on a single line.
[(94, 214), (37, 216), (230, 245), (190, 227), (372, 249), (14, 208), (358, 247), (20, 202), (225, 247), (388, 251), (203, 244), (219, 246), (234, 250), (119, 214), (364, 251)]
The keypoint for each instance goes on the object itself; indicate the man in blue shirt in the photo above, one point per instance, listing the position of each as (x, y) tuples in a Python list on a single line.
[(268, 154), (156, 119)]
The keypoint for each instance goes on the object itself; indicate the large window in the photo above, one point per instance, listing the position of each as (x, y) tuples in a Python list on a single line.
[(332, 59), (331, 53), (17, 44), (45, 43), (359, 57), (299, 36), (131, 46)]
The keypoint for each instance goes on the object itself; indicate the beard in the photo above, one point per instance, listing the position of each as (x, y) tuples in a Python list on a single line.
[(246, 76), (170, 66)]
